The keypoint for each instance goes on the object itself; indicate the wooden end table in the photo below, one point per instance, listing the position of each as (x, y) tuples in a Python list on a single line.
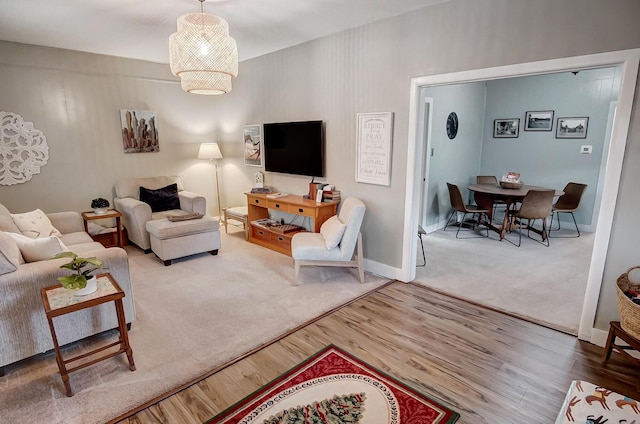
[(59, 301), (616, 331), (110, 213)]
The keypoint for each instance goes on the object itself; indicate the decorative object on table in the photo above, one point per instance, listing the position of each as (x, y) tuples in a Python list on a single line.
[(202, 54), (572, 127), (589, 403), (23, 149), (211, 151), (511, 180), (341, 388), (258, 179), (139, 131), (100, 206), (253, 146), (541, 120), (506, 128), (452, 125), (81, 281), (373, 152), (628, 297)]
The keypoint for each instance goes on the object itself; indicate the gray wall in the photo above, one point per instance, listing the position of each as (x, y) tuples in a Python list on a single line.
[(74, 98)]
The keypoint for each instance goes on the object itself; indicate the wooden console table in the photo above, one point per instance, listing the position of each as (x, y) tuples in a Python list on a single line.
[(258, 208)]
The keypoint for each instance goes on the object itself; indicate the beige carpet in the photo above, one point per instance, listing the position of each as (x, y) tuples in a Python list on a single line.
[(192, 316), (545, 285)]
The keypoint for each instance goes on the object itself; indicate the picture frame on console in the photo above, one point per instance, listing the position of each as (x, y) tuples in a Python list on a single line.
[(253, 146)]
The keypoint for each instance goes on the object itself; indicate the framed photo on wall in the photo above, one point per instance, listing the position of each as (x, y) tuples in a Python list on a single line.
[(538, 120), (139, 131), (253, 146), (373, 151), (506, 128), (572, 127)]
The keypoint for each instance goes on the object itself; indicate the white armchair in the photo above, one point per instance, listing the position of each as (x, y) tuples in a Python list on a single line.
[(335, 244), (136, 213)]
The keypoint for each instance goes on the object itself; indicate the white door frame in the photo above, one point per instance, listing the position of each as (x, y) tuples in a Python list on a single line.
[(629, 60)]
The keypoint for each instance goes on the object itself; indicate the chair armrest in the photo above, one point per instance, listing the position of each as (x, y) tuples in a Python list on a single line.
[(192, 202), (135, 215), (67, 222)]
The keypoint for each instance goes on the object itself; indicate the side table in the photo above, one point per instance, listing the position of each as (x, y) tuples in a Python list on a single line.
[(111, 213), (59, 301)]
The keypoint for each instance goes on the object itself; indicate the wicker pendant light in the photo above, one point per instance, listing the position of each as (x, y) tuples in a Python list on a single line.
[(202, 54)]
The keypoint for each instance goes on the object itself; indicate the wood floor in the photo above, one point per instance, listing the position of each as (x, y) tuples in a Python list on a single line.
[(489, 367)]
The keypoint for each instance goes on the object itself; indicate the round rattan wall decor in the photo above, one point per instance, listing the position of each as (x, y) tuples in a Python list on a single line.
[(23, 149)]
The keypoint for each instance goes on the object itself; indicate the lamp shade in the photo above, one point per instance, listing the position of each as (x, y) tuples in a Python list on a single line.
[(209, 151), (203, 54)]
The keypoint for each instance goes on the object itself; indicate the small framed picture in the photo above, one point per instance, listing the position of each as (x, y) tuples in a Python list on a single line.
[(506, 128), (572, 127), (252, 144), (541, 120)]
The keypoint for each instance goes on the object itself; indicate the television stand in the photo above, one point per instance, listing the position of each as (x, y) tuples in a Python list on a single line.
[(258, 206)]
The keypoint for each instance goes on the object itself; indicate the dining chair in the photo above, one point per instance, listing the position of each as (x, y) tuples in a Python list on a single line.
[(536, 204), (490, 179), (568, 203), (458, 205)]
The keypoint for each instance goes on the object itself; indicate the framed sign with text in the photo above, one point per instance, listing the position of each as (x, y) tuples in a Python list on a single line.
[(373, 155)]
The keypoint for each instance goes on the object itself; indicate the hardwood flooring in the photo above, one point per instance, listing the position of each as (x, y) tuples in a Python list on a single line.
[(487, 366)]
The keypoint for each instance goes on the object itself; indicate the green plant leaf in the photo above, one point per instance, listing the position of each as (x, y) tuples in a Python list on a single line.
[(73, 282)]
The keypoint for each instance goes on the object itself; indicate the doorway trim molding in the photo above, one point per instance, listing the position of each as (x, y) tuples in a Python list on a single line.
[(629, 60)]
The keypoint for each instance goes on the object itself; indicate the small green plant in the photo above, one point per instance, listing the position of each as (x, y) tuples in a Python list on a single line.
[(78, 280), (99, 203)]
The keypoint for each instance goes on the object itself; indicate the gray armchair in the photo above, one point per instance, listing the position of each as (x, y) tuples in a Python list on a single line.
[(136, 213)]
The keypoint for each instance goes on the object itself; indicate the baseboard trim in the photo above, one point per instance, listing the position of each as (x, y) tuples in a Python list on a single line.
[(383, 270), (598, 337)]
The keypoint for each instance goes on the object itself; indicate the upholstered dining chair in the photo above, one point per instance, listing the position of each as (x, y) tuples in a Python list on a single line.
[(458, 205), (568, 203), (335, 244), (490, 179), (536, 204)]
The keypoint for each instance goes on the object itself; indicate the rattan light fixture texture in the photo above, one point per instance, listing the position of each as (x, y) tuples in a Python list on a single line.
[(202, 54)]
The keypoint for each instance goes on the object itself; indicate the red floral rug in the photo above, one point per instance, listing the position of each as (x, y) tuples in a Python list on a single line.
[(334, 387)]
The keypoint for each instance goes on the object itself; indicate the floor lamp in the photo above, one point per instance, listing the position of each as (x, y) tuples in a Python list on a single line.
[(211, 151)]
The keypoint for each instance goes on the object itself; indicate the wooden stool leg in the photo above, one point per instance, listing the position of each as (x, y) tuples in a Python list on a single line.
[(609, 346)]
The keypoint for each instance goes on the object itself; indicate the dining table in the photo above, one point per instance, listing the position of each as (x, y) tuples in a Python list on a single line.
[(486, 194)]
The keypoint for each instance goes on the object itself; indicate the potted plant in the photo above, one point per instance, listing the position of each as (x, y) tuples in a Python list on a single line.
[(82, 282), (100, 205)]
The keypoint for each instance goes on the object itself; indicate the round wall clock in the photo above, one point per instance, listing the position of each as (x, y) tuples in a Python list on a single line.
[(452, 125)]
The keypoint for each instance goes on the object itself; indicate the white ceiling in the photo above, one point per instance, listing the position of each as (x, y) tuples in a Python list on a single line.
[(140, 29)]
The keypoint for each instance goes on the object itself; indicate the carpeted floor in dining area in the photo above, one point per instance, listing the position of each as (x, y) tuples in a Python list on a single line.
[(545, 285), (192, 317)]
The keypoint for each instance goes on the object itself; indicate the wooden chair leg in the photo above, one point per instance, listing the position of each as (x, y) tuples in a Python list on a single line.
[(360, 259), (296, 268), (609, 346)]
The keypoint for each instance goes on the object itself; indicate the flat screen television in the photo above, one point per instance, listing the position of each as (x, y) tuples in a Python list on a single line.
[(294, 148)]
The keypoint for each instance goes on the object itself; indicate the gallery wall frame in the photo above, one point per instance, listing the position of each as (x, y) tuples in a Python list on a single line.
[(575, 127), (253, 144), (538, 120), (373, 151), (506, 128), (139, 131)]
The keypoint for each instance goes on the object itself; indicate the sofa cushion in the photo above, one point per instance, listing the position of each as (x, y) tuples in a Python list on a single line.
[(332, 230), (79, 237), (130, 187), (34, 224), (162, 199), (10, 256), (40, 249)]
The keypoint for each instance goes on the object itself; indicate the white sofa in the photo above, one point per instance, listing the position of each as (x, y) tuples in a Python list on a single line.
[(24, 330), (136, 214)]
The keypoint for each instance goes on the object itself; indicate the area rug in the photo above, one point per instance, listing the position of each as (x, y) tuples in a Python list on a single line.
[(335, 387)]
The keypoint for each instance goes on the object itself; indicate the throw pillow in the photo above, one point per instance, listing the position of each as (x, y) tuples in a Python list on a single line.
[(162, 199), (332, 230), (40, 249), (35, 224), (9, 254)]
